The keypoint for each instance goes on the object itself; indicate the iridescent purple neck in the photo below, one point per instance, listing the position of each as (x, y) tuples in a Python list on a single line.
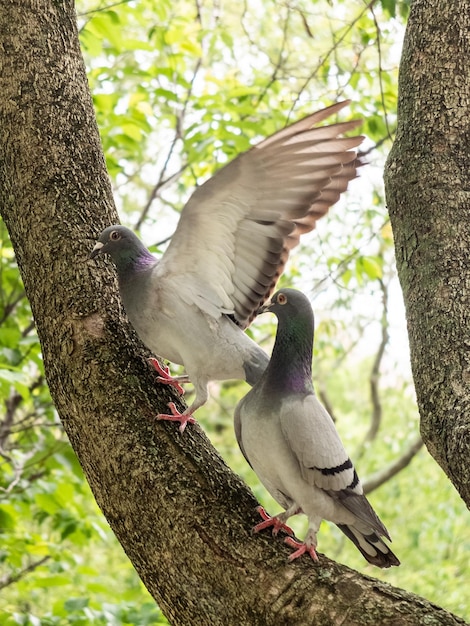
[(144, 261), (134, 261)]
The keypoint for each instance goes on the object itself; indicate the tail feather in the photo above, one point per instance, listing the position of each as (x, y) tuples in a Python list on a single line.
[(372, 548)]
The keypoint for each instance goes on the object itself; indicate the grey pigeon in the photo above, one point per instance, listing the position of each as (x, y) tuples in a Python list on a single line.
[(292, 444), (230, 247)]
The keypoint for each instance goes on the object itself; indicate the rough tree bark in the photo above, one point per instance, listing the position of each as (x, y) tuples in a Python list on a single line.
[(182, 517), (427, 185)]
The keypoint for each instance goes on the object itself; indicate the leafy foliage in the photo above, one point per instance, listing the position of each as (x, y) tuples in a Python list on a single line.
[(179, 89)]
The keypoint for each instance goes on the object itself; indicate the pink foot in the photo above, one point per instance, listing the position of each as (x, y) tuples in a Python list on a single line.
[(271, 521), (301, 548), (176, 416), (165, 377)]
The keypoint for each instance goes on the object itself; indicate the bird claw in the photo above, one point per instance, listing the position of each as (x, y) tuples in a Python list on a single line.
[(164, 376), (300, 548), (269, 521), (176, 416)]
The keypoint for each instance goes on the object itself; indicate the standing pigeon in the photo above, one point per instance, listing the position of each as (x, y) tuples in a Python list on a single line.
[(291, 443), (228, 251)]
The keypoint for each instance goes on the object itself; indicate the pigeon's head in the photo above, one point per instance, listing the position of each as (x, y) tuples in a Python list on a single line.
[(126, 250), (288, 304), (116, 241)]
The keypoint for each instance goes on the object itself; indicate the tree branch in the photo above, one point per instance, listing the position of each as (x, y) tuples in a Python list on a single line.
[(325, 399), (179, 123), (5, 581), (337, 43), (426, 183), (382, 476), (376, 417)]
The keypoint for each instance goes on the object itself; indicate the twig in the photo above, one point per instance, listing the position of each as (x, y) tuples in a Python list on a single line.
[(5, 581), (379, 53), (375, 372), (11, 404), (394, 468), (103, 8), (376, 415), (324, 397), (280, 59), (10, 306), (334, 274), (179, 122), (332, 50), (363, 153)]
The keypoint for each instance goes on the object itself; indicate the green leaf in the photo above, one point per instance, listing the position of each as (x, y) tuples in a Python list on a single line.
[(372, 267), (47, 502), (57, 580), (7, 520), (76, 604)]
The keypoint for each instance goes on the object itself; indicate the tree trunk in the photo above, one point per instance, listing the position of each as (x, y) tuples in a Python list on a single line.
[(427, 183), (182, 517)]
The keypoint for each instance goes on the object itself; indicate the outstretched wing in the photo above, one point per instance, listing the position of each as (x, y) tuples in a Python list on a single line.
[(236, 231)]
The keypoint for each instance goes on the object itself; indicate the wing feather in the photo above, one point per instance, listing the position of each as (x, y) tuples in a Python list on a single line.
[(253, 211), (324, 462), (313, 438)]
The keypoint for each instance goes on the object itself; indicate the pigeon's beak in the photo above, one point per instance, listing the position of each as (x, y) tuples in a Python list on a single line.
[(265, 307), (96, 250)]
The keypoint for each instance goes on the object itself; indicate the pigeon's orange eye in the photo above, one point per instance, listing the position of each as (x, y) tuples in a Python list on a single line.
[(115, 235), (282, 298)]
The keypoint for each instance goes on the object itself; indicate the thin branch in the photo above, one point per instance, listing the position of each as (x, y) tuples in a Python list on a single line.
[(280, 60), (163, 241), (103, 8), (11, 404), (158, 185), (162, 182), (382, 476), (305, 23), (17, 474), (332, 50), (35, 424), (8, 425), (376, 417), (363, 153), (179, 123), (333, 275), (91, 13), (379, 53), (10, 306), (28, 328), (5, 581), (19, 469), (325, 399)]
